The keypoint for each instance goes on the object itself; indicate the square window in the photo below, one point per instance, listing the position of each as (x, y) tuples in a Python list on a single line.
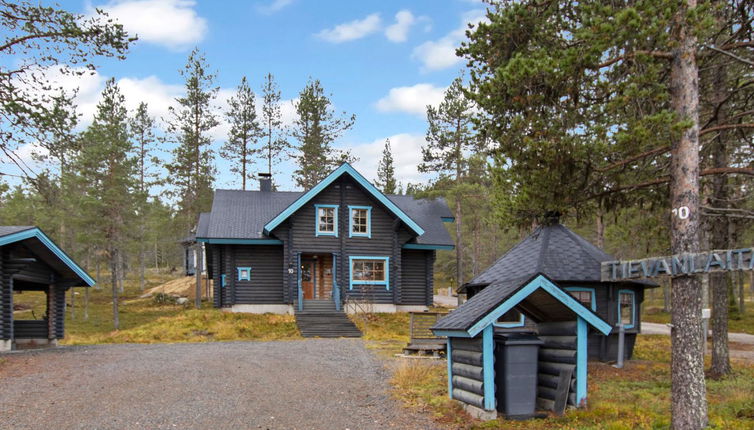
[(327, 220), (244, 273), (360, 221)]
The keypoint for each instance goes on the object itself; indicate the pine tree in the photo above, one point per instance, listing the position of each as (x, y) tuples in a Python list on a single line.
[(386, 171), (275, 145), (315, 128), (244, 132), (108, 173), (192, 170), (582, 100), (450, 134), (44, 37), (142, 131)]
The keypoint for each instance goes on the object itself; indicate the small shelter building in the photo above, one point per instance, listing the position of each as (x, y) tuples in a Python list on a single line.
[(549, 287), (30, 261)]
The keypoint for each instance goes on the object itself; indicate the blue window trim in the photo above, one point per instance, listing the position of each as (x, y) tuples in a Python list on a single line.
[(345, 168), (351, 282), (222, 281), (369, 222), (316, 221), (633, 308), (448, 219), (593, 304), (520, 322), (239, 269)]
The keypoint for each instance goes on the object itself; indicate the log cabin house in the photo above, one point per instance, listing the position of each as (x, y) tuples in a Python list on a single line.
[(334, 248)]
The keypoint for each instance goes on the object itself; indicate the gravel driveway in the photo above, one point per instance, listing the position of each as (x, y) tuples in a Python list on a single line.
[(310, 384)]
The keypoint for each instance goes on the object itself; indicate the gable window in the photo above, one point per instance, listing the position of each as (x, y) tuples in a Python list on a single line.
[(244, 273), (585, 296), (512, 318), (369, 271), (360, 222), (626, 308), (327, 220)]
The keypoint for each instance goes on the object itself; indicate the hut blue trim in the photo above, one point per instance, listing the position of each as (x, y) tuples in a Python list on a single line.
[(469, 323), (39, 234)]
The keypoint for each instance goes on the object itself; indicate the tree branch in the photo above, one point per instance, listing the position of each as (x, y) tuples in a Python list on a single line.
[(629, 160), (730, 54), (725, 127), (656, 54)]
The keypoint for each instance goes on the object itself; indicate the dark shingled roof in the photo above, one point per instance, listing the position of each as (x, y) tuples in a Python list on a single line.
[(6, 230), (240, 214), (478, 306), (553, 250)]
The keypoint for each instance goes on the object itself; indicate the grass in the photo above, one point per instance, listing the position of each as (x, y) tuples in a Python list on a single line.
[(636, 397), (737, 323), (143, 321)]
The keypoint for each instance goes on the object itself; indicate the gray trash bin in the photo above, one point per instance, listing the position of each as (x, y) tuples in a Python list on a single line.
[(516, 362)]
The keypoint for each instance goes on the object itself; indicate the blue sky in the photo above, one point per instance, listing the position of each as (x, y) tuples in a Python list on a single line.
[(383, 61)]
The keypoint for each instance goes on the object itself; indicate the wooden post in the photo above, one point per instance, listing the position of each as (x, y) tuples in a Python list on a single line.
[(51, 312), (198, 273)]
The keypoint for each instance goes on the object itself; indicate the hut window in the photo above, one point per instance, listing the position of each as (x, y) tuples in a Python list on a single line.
[(585, 296), (327, 220), (626, 311), (244, 273), (369, 271), (360, 221), (512, 318)]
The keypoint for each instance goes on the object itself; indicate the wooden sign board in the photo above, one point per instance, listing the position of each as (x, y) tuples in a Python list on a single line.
[(723, 260)]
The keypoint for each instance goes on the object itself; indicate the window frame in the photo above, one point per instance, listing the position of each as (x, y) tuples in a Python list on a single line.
[(633, 309), (241, 269), (593, 304), (222, 281), (520, 323), (352, 282), (317, 231), (368, 233)]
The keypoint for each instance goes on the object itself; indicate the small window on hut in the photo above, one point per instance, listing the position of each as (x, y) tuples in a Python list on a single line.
[(626, 305), (585, 296), (512, 318)]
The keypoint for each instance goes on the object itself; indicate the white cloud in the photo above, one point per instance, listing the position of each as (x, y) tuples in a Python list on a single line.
[(352, 30), (441, 53), (171, 23), (407, 154), (273, 7), (398, 32), (413, 99)]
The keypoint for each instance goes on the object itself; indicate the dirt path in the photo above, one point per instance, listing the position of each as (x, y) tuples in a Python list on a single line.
[(741, 344), (312, 384)]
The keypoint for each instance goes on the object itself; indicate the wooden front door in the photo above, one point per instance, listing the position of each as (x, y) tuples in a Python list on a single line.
[(308, 278)]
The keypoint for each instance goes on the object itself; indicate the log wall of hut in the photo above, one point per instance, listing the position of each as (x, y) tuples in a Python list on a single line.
[(466, 370)]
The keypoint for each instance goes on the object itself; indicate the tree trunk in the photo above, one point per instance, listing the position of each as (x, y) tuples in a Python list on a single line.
[(459, 243), (741, 293), (688, 391), (719, 233), (600, 230), (114, 281), (666, 305)]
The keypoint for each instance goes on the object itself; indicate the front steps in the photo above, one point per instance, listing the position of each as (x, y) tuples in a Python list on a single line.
[(320, 319)]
